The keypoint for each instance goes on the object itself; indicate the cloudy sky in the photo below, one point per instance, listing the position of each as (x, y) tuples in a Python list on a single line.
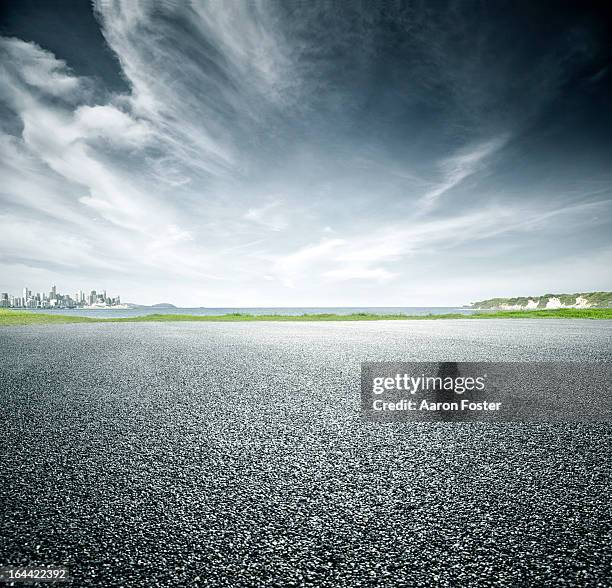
[(305, 153)]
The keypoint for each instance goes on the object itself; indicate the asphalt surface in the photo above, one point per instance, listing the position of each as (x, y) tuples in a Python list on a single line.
[(233, 454)]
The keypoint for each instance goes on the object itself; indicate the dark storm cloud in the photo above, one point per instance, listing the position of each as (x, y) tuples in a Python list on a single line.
[(309, 152)]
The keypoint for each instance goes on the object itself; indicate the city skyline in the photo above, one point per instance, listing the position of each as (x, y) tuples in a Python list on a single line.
[(302, 154), (54, 299)]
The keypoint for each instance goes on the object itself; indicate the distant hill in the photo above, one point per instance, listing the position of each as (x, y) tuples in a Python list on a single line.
[(578, 300), (163, 305)]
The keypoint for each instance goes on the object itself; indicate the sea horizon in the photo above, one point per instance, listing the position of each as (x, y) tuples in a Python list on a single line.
[(255, 310)]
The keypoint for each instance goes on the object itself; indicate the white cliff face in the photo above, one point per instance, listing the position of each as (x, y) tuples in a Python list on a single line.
[(582, 302), (578, 301), (554, 303), (531, 305)]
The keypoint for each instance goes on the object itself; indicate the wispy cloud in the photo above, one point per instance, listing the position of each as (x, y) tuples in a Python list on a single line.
[(359, 272), (460, 166), (68, 164), (381, 255), (37, 69), (269, 215)]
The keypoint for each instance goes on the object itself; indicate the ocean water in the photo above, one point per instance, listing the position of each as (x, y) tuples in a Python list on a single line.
[(288, 311)]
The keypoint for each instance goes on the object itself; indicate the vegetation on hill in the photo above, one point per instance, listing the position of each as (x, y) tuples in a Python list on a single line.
[(593, 299)]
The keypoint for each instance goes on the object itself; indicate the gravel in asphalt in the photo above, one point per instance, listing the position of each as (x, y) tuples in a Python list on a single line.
[(233, 454)]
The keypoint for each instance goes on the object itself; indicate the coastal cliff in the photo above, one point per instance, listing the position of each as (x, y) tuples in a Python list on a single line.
[(578, 300)]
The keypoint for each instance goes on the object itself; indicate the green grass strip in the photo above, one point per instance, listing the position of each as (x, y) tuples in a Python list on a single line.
[(19, 317)]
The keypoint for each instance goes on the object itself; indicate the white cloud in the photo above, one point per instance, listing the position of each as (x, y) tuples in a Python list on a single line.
[(188, 87), (460, 166), (386, 252), (68, 165), (359, 273), (292, 267), (38, 68), (112, 124), (40, 242), (269, 215)]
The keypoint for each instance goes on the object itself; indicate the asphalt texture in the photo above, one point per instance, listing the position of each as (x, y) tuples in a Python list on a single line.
[(233, 454)]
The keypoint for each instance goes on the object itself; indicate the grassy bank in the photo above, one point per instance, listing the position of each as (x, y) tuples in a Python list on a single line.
[(16, 317)]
